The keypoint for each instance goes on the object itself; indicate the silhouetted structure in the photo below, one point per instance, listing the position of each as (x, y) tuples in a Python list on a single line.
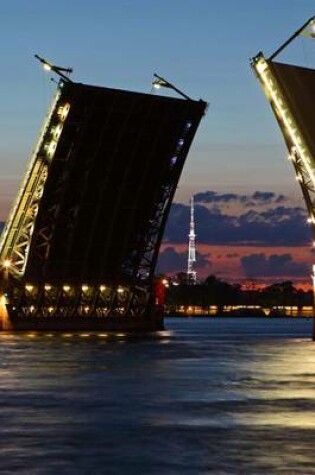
[(191, 272), (290, 91), (81, 243)]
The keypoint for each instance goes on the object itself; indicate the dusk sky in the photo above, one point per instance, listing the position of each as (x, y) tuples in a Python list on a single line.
[(204, 47)]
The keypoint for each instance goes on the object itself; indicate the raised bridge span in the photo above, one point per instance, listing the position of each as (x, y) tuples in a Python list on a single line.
[(290, 90), (80, 246)]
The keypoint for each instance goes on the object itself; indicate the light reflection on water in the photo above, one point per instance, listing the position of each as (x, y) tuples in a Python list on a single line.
[(208, 396)]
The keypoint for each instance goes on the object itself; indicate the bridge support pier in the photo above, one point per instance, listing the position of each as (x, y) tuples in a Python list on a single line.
[(313, 327), (4, 317)]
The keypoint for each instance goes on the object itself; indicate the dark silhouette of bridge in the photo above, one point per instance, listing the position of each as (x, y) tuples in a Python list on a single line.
[(80, 246)]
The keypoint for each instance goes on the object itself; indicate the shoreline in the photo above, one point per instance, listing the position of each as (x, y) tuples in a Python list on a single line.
[(200, 315)]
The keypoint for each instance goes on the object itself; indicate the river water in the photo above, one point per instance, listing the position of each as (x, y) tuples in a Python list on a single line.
[(207, 396)]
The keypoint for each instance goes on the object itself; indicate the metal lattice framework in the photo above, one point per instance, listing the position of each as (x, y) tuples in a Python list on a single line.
[(293, 110), (17, 234), (62, 261), (299, 152)]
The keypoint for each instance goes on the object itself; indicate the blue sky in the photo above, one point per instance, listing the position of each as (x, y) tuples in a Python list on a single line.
[(203, 46)]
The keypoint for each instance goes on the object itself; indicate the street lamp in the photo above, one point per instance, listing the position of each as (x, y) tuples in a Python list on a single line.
[(59, 70), (162, 82), (307, 29)]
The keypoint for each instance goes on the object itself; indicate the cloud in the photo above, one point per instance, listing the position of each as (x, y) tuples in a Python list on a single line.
[(277, 226), (214, 197), (258, 198), (170, 261), (263, 196), (275, 265)]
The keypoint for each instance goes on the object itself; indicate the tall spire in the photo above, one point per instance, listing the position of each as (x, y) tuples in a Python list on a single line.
[(191, 273)]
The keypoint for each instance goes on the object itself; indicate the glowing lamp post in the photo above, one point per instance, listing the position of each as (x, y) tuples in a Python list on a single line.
[(6, 266), (162, 82), (59, 70)]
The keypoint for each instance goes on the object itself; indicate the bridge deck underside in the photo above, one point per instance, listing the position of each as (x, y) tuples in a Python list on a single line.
[(298, 86), (107, 181)]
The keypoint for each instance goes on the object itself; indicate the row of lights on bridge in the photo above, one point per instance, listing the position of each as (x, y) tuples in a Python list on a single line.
[(50, 148), (86, 309), (67, 288), (293, 131)]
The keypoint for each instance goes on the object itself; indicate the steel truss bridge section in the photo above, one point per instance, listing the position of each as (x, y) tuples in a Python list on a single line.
[(290, 91), (84, 236), (50, 301), (16, 237)]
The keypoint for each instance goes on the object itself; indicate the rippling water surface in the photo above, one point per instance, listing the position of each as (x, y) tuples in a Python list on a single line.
[(221, 396)]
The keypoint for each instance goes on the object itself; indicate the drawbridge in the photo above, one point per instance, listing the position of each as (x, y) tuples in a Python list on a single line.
[(80, 245), (290, 90)]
